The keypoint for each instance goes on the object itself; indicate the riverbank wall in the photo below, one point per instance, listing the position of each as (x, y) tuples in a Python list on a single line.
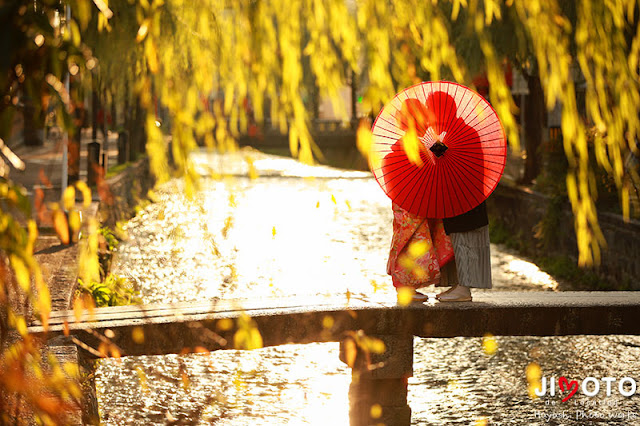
[(543, 227), (124, 191)]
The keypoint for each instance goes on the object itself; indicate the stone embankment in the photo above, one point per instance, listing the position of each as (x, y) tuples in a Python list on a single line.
[(521, 212)]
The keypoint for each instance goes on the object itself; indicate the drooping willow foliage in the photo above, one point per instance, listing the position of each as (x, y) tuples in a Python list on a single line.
[(205, 61), (256, 49)]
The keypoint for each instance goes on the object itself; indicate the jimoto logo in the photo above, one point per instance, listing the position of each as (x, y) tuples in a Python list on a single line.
[(590, 386)]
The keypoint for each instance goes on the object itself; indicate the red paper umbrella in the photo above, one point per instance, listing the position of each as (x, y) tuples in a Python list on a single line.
[(455, 157)]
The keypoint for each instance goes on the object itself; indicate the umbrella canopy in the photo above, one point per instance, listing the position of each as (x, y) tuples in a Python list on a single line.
[(438, 149)]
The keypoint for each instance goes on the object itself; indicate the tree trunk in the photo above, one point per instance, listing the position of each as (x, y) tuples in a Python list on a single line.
[(114, 112), (95, 105), (33, 124), (354, 100), (534, 126)]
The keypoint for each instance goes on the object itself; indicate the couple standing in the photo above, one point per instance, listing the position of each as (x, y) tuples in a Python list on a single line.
[(450, 252)]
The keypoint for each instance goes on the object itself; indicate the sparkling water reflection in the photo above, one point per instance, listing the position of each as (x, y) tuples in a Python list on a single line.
[(287, 233)]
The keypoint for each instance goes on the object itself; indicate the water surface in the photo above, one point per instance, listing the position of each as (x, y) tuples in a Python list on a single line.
[(318, 231)]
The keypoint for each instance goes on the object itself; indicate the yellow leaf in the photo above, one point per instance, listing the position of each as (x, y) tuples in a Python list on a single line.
[(142, 377), (18, 322), (255, 341), (69, 198), (115, 352), (224, 324), (151, 54), (533, 372), (21, 272), (75, 33), (71, 369), (248, 336), (86, 193), (350, 352), (406, 261), (489, 344), (185, 380), (418, 248), (33, 235), (419, 272), (327, 321), (411, 146), (405, 295), (374, 345), (240, 339), (376, 411), (78, 307), (82, 11), (74, 220), (137, 334), (143, 30), (253, 172), (61, 226)]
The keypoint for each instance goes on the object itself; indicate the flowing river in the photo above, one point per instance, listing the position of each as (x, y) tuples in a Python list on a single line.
[(318, 231)]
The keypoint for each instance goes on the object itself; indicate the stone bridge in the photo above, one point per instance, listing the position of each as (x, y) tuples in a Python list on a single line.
[(378, 378)]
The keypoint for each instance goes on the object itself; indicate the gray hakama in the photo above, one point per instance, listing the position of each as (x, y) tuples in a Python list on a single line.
[(473, 257)]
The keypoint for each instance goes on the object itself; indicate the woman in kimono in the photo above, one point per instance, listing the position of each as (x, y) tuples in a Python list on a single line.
[(421, 253)]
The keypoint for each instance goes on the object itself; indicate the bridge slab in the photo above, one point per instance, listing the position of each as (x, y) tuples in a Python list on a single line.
[(378, 390)]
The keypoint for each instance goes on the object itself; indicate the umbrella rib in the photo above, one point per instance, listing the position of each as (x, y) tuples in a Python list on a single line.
[(463, 164), (469, 152), (467, 134), (420, 185), (386, 137), (432, 183), (437, 184), (461, 121), (390, 123), (466, 182), (480, 129), (484, 161), (452, 114), (401, 157), (467, 159), (469, 131), (472, 141), (470, 125), (386, 130), (426, 98), (447, 186), (438, 115), (424, 93), (388, 172), (452, 177), (403, 160), (402, 189)]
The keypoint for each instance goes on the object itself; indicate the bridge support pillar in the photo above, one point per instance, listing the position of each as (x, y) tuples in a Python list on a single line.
[(66, 352), (378, 390)]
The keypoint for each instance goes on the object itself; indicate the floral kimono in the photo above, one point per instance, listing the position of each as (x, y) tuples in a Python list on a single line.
[(420, 249)]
